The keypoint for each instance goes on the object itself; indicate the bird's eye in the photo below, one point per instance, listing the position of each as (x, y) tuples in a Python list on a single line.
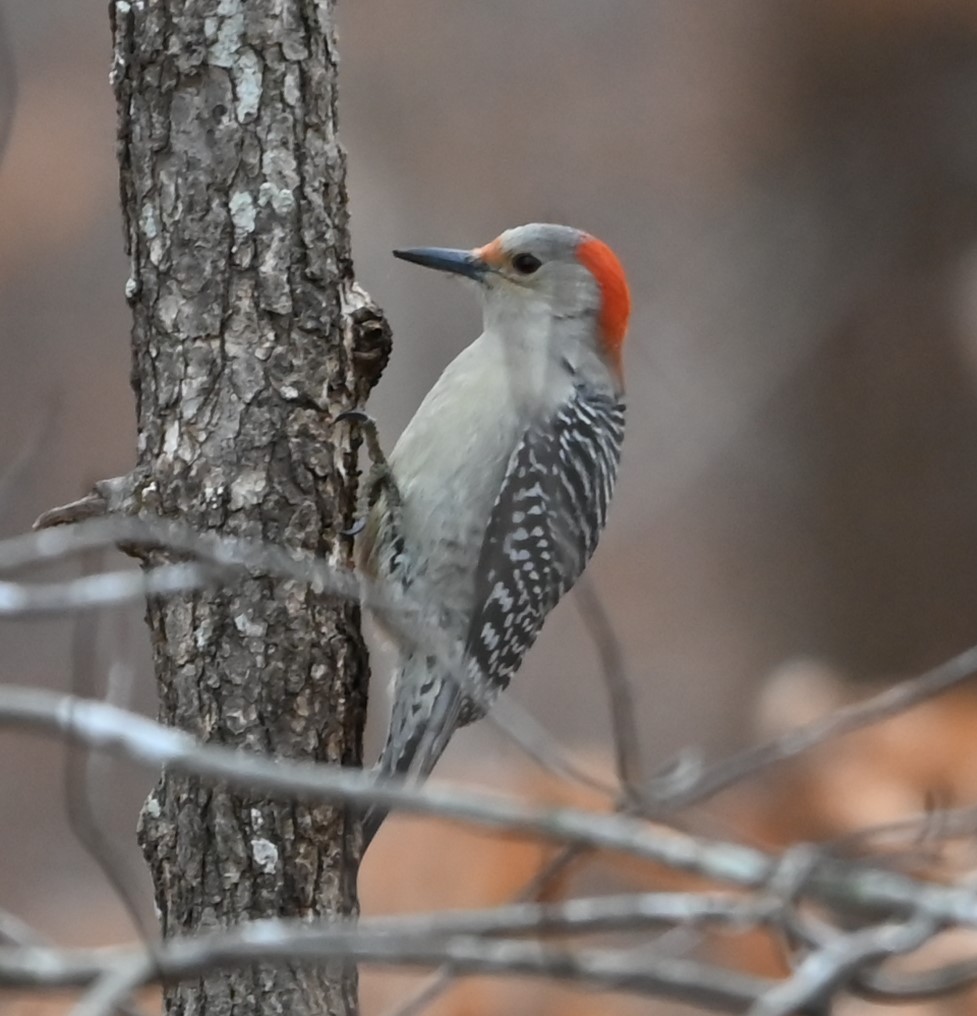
[(526, 264)]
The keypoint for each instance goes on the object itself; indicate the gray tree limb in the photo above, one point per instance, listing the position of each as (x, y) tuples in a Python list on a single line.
[(249, 336), (116, 973), (853, 885)]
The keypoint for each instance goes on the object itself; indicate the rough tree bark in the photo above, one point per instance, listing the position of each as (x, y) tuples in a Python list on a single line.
[(249, 336)]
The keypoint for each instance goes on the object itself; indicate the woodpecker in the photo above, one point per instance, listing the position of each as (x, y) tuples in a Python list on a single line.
[(494, 497)]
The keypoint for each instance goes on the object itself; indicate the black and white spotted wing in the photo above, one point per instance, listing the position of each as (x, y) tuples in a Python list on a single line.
[(543, 529)]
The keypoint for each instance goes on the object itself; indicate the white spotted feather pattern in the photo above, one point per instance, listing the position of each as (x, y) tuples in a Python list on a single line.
[(544, 527)]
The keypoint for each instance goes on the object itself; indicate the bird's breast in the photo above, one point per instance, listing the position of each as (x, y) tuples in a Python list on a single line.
[(449, 464)]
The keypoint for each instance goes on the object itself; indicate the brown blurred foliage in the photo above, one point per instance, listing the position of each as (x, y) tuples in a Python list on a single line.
[(876, 777), (872, 778)]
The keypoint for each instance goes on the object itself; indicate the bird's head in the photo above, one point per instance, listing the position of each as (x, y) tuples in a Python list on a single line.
[(557, 277)]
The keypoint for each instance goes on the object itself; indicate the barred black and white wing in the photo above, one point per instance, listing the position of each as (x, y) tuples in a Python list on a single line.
[(544, 527)]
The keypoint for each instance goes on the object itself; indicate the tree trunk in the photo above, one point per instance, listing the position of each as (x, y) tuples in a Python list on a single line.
[(249, 335)]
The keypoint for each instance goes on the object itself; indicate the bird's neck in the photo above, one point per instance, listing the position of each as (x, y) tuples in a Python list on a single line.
[(545, 355)]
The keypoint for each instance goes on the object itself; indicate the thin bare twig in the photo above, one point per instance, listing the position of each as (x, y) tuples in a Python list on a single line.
[(443, 978), (542, 747), (939, 825), (403, 942), (153, 745), (244, 554), (539, 884), (16, 931), (112, 989), (834, 881), (95, 592), (226, 559), (77, 777), (895, 700), (324, 575), (823, 971), (886, 986), (830, 880), (620, 695)]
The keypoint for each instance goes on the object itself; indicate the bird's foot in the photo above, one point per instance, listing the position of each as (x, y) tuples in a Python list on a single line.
[(380, 479), (355, 529), (368, 428)]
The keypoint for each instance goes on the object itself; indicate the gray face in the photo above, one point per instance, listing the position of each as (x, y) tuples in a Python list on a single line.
[(546, 242), (525, 254), (538, 263), (533, 267)]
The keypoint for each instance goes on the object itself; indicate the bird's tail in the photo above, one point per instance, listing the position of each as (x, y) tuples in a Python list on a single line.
[(426, 709)]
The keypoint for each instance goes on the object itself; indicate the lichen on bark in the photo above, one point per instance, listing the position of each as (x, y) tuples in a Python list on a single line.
[(249, 336)]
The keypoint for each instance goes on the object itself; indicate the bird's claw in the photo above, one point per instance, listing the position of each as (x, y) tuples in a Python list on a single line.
[(380, 480), (355, 529), (353, 416), (368, 427)]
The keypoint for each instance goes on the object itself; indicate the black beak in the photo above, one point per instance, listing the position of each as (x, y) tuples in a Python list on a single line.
[(445, 259)]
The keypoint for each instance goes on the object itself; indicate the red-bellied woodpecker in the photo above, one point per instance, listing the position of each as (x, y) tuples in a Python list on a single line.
[(496, 493)]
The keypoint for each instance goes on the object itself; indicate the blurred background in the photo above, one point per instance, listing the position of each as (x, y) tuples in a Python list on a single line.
[(792, 185)]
